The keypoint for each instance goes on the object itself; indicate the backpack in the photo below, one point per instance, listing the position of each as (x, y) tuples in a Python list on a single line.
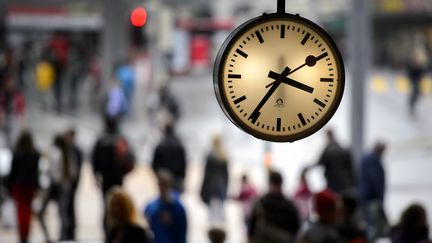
[(124, 155)]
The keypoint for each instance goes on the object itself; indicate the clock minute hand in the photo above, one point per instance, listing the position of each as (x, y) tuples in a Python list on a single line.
[(256, 113), (291, 82), (310, 61)]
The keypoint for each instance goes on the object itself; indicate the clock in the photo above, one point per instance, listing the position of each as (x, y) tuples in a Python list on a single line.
[(279, 77)]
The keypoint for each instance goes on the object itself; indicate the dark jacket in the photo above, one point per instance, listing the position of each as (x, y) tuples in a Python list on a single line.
[(128, 234), (279, 212), (170, 155), (215, 181), (338, 167), (107, 163), (24, 169), (371, 179)]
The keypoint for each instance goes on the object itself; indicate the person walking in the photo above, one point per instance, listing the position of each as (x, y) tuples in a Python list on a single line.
[(215, 183), (54, 157), (274, 217), (23, 181), (166, 214), (12, 110), (123, 221), (417, 64), (372, 186), (170, 155), (324, 229), (247, 196), (112, 159), (76, 160), (303, 196), (338, 166), (125, 73)]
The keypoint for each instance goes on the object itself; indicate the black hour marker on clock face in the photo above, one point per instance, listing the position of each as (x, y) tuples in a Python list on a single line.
[(278, 124), (302, 120), (234, 76), (282, 33), (258, 34), (319, 102), (306, 38), (241, 53), (239, 100), (326, 80)]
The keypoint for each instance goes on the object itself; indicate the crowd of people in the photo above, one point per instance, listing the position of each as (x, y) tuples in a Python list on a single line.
[(351, 208)]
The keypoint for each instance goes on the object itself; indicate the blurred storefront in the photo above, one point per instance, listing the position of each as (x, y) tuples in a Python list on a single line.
[(396, 23)]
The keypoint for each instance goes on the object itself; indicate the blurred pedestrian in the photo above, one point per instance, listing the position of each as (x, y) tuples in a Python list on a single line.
[(23, 181), (323, 230), (54, 157), (170, 155), (417, 64), (45, 78), (125, 73), (247, 196), (112, 159), (115, 101), (168, 102), (372, 186), (215, 184), (59, 48), (12, 110), (166, 214), (412, 226), (78, 67), (303, 196), (123, 221), (351, 227), (217, 235), (338, 165), (274, 217), (76, 160)]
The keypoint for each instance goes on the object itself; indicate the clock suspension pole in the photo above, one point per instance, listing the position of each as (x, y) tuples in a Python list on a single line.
[(281, 6)]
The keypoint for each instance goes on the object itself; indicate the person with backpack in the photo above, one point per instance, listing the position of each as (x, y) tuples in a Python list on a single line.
[(170, 155), (112, 159), (274, 217)]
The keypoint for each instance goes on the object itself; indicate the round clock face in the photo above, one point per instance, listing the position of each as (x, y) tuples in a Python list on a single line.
[(279, 78)]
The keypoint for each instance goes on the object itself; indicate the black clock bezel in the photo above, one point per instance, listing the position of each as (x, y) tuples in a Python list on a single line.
[(220, 63)]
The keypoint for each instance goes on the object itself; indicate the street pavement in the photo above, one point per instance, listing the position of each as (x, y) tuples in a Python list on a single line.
[(408, 161)]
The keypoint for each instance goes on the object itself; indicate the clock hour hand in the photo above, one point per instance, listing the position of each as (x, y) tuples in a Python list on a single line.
[(310, 61), (256, 113), (291, 82)]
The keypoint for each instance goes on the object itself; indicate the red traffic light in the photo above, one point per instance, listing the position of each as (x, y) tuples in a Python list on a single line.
[(138, 17)]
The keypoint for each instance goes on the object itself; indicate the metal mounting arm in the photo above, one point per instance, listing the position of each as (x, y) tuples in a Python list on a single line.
[(281, 6)]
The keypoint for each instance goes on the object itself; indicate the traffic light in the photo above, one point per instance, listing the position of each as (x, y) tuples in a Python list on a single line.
[(138, 19)]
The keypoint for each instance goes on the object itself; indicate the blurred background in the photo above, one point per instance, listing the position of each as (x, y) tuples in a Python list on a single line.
[(65, 61)]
